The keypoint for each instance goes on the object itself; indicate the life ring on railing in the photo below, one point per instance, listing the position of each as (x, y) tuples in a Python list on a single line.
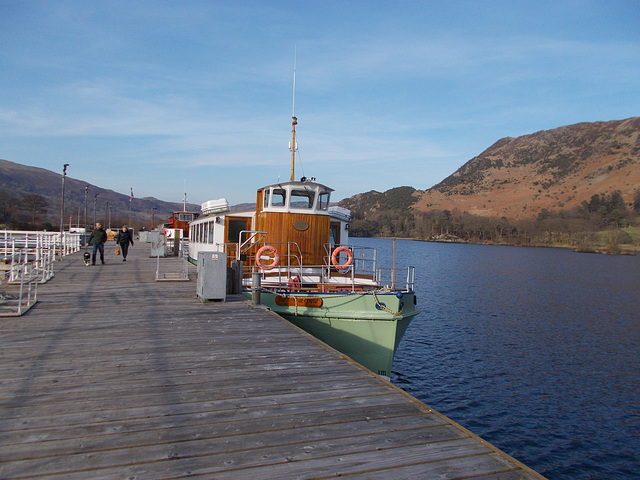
[(294, 284), (260, 258), (334, 258)]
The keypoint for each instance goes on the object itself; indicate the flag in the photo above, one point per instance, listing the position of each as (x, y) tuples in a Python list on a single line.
[(131, 197)]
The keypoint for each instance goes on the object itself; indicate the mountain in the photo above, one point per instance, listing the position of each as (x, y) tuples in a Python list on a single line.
[(551, 170), (18, 180)]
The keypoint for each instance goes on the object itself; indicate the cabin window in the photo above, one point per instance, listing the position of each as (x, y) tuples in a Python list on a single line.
[(334, 235), (266, 194), (302, 198), (279, 197), (323, 201), (210, 226), (234, 227)]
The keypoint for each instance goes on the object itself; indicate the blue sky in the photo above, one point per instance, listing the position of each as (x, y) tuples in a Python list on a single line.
[(164, 97)]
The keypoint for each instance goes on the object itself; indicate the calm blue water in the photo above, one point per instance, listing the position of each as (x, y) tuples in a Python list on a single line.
[(535, 350)]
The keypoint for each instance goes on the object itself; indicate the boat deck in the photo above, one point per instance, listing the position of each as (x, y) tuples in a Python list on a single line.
[(113, 375)]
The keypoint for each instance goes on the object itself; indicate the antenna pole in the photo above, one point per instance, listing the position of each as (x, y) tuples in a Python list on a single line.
[(184, 201), (294, 121)]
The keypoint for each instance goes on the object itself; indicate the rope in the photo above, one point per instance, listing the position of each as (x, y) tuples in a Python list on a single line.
[(384, 307), (379, 304)]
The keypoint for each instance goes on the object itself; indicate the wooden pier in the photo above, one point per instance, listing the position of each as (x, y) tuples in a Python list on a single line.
[(113, 375)]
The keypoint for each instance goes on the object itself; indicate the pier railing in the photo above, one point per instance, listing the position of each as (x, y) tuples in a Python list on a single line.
[(15, 301), (13, 240), (26, 259)]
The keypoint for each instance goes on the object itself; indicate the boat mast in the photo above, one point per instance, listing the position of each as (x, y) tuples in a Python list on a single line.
[(184, 201), (294, 122)]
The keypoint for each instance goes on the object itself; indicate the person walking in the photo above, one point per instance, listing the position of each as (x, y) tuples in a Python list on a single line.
[(123, 239), (97, 238)]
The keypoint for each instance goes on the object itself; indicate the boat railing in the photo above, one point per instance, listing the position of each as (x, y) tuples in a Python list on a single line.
[(250, 238), (352, 271), (363, 261), (397, 279), (327, 278), (351, 276), (289, 256)]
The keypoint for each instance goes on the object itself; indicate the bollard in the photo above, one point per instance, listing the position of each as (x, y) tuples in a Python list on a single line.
[(255, 290), (236, 277)]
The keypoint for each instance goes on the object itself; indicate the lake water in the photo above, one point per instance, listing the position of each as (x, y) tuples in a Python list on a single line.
[(536, 350)]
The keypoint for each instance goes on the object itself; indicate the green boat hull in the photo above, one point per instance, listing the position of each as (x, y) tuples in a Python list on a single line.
[(366, 327)]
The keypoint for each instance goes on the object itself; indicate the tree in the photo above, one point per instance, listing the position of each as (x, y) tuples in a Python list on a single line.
[(7, 203), (34, 204)]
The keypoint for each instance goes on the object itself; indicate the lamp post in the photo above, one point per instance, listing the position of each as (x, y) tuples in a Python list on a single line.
[(64, 174), (95, 203), (86, 193), (130, 200), (153, 223)]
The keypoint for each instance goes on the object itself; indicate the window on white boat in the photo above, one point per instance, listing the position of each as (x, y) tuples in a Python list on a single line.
[(279, 197), (323, 200), (302, 198)]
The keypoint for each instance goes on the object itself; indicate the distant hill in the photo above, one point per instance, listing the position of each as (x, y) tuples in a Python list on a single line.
[(553, 169), (563, 187), (519, 177), (17, 180)]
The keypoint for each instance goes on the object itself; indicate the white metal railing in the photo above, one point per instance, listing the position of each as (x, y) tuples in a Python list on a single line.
[(16, 304), (13, 240), (32, 253)]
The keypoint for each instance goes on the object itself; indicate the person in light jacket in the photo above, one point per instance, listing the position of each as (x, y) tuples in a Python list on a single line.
[(123, 239)]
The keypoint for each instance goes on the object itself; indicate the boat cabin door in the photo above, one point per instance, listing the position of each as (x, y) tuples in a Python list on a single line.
[(233, 227), (334, 234)]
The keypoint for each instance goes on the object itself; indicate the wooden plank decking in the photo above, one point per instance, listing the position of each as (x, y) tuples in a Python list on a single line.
[(115, 375)]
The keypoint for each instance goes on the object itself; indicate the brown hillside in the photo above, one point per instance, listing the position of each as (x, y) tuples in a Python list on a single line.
[(17, 180), (553, 169)]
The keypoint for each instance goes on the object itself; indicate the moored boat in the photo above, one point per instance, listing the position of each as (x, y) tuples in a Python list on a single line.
[(297, 247), (180, 220)]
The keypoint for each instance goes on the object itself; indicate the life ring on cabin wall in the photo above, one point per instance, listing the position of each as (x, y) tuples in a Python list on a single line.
[(259, 257), (336, 253), (294, 284)]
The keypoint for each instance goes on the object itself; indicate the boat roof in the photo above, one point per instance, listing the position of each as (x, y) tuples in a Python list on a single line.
[(304, 183)]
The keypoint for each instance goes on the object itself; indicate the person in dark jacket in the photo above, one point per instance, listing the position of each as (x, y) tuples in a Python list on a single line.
[(97, 238), (123, 239)]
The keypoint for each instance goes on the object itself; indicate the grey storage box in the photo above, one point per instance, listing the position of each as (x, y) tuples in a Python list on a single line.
[(212, 276)]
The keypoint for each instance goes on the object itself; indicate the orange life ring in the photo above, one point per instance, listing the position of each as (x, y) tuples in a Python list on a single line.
[(294, 284), (276, 257), (334, 258)]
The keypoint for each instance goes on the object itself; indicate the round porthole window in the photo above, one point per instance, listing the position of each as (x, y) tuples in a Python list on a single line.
[(300, 225)]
